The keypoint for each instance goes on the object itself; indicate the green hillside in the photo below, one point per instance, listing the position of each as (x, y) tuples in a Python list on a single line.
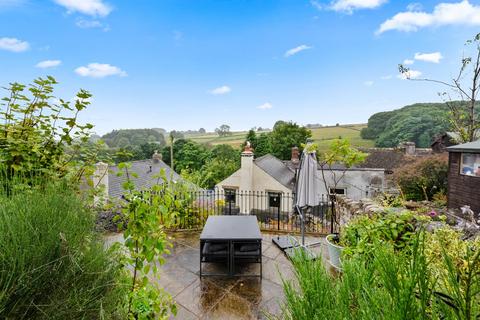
[(322, 136)]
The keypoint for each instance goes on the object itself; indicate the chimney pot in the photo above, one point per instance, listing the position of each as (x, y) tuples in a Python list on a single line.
[(156, 157), (295, 155)]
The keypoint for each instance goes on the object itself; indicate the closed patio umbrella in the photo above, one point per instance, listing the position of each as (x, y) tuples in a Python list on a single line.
[(307, 186)]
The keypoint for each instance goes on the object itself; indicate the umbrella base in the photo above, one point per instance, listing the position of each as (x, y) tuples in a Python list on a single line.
[(284, 242)]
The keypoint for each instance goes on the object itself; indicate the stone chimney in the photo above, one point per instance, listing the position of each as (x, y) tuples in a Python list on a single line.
[(246, 167), (100, 181), (409, 148), (295, 155), (246, 175), (156, 157)]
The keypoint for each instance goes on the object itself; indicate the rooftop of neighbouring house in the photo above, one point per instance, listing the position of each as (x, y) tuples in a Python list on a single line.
[(473, 147), (147, 172), (221, 297)]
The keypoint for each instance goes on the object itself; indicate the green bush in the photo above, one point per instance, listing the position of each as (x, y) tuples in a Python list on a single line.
[(396, 228), (52, 265), (423, 178), (388, 284)]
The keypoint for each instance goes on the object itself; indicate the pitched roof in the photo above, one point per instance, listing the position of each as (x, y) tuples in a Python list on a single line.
[(277, 170), (466, 147), (147, 172)]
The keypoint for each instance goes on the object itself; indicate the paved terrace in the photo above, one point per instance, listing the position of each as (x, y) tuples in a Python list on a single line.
[(221, 297)]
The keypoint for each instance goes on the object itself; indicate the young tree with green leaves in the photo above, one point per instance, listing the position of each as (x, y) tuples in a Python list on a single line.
[(464, 115)]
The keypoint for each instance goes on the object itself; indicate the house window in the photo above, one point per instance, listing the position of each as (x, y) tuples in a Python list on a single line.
[(470, 165), (274, 200), (338, 191), (230, 195)]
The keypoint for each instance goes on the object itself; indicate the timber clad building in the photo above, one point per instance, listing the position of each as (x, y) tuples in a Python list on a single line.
[(464, 175)]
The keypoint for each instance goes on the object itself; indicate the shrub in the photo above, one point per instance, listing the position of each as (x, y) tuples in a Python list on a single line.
[(423, 178), (396, 228), (52, 264), (388, 284)]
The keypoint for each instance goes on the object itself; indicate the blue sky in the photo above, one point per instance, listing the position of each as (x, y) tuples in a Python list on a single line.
[(181, 64)]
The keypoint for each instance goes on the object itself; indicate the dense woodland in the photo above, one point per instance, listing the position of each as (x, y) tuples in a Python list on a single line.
[(420, 123)]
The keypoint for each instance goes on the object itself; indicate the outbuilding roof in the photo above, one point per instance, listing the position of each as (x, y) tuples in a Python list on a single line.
[(473, 147)]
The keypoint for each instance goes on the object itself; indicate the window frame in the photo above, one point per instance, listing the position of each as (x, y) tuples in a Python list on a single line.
[(461, 165)]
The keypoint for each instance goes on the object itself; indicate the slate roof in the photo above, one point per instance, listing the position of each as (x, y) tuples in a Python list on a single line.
[(147, 170), (466, 147), (277, 170)]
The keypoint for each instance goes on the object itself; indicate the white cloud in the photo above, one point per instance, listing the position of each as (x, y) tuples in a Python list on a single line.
[(387, 77), (296, 50), (221, 90), (48, 64), (265, 106), (316, 5), (459, 13), (368, 83), (433, 57), (89, 24), (408, 61), (414, 6), (13, 44), (410, 74), (100, 70), (88, 7), (349, 6)]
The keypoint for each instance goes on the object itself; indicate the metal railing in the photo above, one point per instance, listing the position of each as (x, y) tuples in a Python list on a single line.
[(274, 210)]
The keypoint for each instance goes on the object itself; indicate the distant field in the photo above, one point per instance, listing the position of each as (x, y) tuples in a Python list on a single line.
[(323, 136)]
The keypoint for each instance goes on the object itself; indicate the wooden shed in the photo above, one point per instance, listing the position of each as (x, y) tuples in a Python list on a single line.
[(464, 175)]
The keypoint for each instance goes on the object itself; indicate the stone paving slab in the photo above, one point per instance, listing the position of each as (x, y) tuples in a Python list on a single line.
[(224, 297)]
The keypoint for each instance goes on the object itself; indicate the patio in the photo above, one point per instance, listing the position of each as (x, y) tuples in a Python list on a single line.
[(223, 297)]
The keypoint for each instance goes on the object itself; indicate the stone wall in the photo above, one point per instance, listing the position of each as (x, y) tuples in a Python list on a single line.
[(348, 208)]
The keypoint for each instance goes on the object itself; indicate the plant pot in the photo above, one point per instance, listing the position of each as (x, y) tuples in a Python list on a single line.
[(334, 251)]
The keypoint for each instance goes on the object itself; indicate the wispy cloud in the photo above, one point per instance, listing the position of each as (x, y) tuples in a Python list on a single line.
[(13, 44), (265, 106), (296, 50), (459, 13), (410, 74), (433, 57), (220, 90), (408, 61), (348, 6), (100, 70), (368, 83), (48, 64), (89, 24), (89, 7)]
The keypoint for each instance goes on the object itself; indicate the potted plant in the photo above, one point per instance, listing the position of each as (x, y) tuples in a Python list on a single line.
[(334, 250)]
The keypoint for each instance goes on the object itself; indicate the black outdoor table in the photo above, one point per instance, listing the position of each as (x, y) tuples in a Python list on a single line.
[(231, 240)]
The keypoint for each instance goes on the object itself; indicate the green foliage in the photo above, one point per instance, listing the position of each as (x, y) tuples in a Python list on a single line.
[(419, 123), (223, 130), (134, 138), (263, 145), (423, 178), (397, 229), (35, 130), (52, 264), (222, 161), (387, 284), (341, 152), (148, 213), (285, 136)]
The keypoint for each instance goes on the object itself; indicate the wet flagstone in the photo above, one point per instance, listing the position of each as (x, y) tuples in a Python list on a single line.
[(224, 297)]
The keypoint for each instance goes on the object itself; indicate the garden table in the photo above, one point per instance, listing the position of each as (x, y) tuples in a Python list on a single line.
[(231, 239)]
